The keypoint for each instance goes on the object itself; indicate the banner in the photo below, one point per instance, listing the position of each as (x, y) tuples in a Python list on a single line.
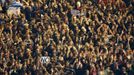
[(13, 11), (14, 8), (45, 59), (77, 13), (16, 4)]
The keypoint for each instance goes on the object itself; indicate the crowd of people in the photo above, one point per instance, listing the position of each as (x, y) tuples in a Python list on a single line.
[(98, 39)]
